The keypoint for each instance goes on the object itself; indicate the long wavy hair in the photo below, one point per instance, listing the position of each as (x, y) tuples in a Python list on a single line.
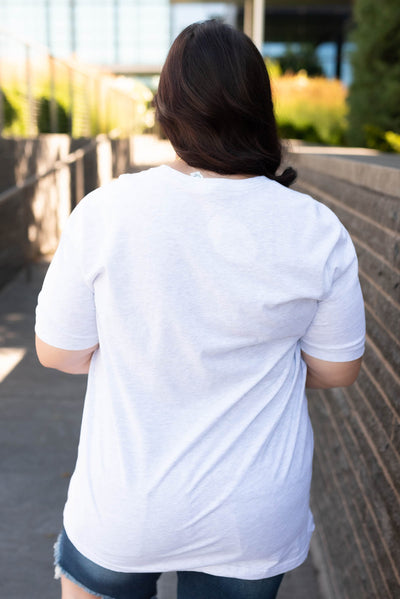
[(214, 103)]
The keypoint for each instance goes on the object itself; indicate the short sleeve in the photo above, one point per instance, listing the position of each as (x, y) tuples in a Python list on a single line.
[(337, 331), (65, 314)]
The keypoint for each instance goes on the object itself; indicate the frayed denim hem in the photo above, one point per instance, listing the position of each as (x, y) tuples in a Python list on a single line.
[(59, 571)]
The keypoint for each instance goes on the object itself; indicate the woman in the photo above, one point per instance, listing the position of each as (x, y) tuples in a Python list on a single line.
[(201, 298)]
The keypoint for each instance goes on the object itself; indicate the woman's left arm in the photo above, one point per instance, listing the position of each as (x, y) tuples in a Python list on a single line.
[(66, 319), (70, 361)]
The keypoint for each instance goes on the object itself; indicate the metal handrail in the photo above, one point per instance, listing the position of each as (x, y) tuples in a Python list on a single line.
[(88, 87)]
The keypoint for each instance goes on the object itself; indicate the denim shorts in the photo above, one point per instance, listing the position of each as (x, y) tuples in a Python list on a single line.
[(109, 584)]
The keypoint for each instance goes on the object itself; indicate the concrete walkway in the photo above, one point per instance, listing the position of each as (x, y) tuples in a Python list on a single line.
[(40, 414)]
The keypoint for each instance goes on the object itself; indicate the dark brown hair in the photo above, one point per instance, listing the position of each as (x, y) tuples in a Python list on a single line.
[(214, 103)]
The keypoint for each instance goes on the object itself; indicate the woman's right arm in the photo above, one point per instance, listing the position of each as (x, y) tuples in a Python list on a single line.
[(322, 374)]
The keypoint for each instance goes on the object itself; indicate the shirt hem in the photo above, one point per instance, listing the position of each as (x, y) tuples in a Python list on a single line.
[(68, 344), (228, 570), (237, 572), (335, 355)]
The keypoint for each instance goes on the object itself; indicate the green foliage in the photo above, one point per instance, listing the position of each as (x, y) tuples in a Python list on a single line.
[(273, 68), (307, 106), (9, 112), (375, 138), (393, 140), (44, 117), (19, 124), (301, 58), (310, 108), (384, 141), (374, 98), (306, 132), (99, 103)]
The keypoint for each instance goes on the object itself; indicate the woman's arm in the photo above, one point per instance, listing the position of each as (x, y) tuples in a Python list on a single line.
[(325, 375), (70, 361)]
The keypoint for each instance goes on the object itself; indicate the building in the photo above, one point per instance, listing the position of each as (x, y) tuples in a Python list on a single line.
[(133, 36)]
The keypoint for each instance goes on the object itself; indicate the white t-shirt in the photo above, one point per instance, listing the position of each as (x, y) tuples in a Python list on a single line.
[(196, 445)]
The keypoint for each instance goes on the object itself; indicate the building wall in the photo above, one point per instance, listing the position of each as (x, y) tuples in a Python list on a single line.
[(42, 179), (355, 492), (356, 485)]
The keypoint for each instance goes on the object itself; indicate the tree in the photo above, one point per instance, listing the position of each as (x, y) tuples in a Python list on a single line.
[(374, 97)]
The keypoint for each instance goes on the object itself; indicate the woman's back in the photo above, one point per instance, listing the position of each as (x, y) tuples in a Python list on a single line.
[(196, 441), (200, 303)]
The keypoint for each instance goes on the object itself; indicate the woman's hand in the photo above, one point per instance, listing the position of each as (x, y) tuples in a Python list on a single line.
[(70, 361)]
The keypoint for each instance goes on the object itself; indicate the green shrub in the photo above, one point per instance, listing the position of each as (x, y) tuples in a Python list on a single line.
[(394, 140), (374, 97), (374, 138), (273, 68), (9, 112), (18, 125), (310, 108), (44, 117), (100, 103), (384, 141), (305, 132)]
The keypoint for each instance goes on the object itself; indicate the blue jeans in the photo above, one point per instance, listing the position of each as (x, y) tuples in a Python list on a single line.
[(108, 584)]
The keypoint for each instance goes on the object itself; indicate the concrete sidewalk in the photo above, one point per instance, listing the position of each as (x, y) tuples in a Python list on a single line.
[(40, 413)]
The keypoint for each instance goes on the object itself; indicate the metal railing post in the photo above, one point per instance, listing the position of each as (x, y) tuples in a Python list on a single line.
[(29, 89), (88, 90), (53, 104), (71, 99)]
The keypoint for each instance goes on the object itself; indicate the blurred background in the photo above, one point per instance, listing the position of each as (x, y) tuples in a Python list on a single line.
[(70, 66), (77, 78)]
